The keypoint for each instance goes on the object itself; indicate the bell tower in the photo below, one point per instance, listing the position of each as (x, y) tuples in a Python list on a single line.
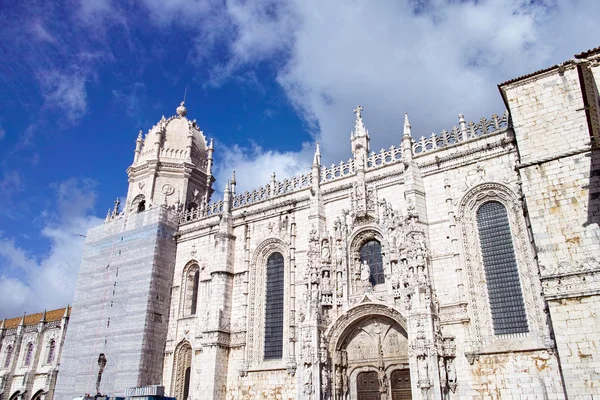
[(172, 166)]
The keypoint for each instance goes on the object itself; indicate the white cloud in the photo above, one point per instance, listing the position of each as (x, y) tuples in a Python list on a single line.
[(65, 92), (254, 165), (29, 284), (434, 62), (432, 58)]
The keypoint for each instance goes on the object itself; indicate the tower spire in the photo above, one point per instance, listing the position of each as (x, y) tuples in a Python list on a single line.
[(317, 156), (359, 125), (407, 131)]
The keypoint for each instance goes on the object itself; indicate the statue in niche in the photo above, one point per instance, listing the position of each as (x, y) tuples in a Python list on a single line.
[(339, 254), (325, 250), (365, 272), (451, 373), (383, 383), (326, 282), (307, 379), (442, 368), (423, 368), (338, 381), (312, 235), (324, 381), (337, 227)]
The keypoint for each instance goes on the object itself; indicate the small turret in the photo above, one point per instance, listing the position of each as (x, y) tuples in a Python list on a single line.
[(233, 184), (406, 143), (360, 140), (21, 326), (138, 147), (316, 170), (42, 322), (463, 127)]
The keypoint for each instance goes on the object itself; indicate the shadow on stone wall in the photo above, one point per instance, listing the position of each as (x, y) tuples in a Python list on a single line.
[(594, 189)]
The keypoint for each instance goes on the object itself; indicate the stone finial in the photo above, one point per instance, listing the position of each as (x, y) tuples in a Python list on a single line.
[(463, 126), (43, 319), (233, 178), (22, 323), (66, 314), (227, 186), (317, 156), (181, 110), (407, 130), (116, 209), (139, 138), (210, 144), (3, 324), (359, 125)]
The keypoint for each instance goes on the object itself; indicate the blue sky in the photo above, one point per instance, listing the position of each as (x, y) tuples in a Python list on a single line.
[(265, 79)]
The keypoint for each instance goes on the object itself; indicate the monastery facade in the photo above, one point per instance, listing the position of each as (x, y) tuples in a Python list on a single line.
[(30, 349), (458, 266)]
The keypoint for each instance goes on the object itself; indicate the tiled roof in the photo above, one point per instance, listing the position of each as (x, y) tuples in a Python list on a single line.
[(588, 53), (34, 319), (585, 54), (541, 71)]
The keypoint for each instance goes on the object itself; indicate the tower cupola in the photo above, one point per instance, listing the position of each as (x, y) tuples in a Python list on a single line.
[(172, 165)]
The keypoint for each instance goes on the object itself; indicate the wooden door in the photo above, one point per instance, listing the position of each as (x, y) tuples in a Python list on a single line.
[(367, 386), (401, 385)]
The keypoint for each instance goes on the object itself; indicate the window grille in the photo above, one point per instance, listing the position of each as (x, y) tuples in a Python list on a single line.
[(29, 354), (371, 253), (274, 307), (501, 271), (9, 351), (51, 349), (195, 292)]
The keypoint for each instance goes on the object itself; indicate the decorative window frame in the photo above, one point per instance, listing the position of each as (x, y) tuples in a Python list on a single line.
[(482, 331), (257, 304), (49, 351), (180, 364), (356, 240), (28, 356), (188, 272), (8, 356)]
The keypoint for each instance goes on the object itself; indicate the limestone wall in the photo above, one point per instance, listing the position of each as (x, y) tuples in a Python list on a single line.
[(559, 170)]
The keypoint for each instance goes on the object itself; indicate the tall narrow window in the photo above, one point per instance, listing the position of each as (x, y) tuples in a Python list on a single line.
[(370, 253), (9, 351), (501, 271), (274, 307), (186, 383), (195, 292), (28, 354), (51, 349)]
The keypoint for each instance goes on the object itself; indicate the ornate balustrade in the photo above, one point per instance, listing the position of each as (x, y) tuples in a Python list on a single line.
[(462, 133)]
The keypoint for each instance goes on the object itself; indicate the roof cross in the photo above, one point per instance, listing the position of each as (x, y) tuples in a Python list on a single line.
[(358, 111)]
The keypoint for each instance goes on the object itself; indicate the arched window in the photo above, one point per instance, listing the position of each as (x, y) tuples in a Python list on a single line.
[(28, 354), (274, 307), (182, 368), (191, 282), (138, 204), (9, 351), (51, 349), (370, 252), (501, 271), (195, 292)]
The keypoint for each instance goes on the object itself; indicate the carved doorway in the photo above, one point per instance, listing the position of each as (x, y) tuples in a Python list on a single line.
[(367, 386), (401, 385)]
